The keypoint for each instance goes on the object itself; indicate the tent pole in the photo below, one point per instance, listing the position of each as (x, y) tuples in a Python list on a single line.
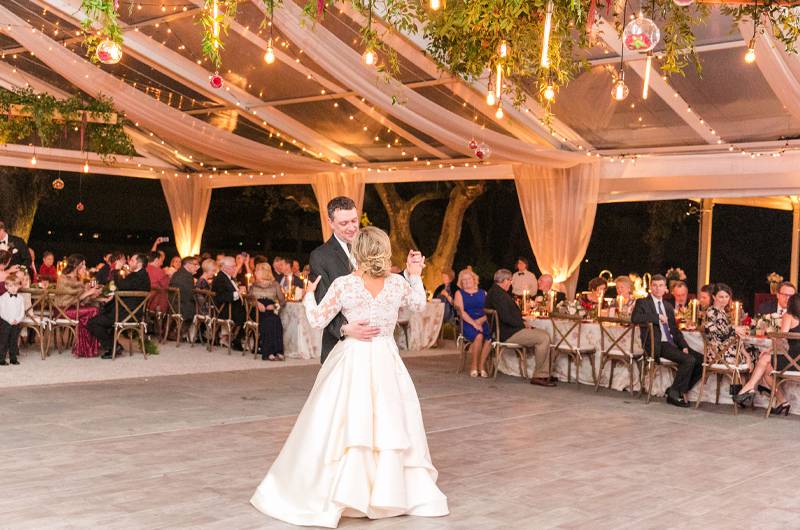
[(795, 263), (704, 252)]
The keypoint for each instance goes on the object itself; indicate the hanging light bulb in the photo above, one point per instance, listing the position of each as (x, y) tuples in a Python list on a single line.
[(369, 57), (499, 114), (86, 166), (436, 5), (549, 92), (750, 56), (498, 87), (620, 90), (269, 56), (503, 49), (648, 67), (33, 160), (548, 24), (490, 99)]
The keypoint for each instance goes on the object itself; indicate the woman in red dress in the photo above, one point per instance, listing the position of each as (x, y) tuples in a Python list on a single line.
[(70, 290)]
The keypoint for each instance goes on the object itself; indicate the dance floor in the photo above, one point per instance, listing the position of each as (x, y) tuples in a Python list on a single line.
[(187, 451)]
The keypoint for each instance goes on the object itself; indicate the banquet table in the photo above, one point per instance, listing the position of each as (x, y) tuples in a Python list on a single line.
[(301, 341), (590, 337)]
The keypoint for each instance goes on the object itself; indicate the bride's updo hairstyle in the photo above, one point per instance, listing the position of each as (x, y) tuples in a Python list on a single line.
[(373, 252)]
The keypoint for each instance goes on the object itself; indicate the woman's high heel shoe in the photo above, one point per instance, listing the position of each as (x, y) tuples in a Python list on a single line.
[(473, 373), (743, 399), (781, 410), (764, 390)]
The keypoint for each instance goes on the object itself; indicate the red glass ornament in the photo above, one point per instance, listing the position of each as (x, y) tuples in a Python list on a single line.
[(215, 81), (473, 144), (58, 184), (80, 207)]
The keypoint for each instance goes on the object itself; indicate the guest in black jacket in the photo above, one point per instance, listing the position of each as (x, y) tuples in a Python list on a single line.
[(778, 304), (446, 292), (668, 341), (136, 279), (226, 294), (20, 255), (183, 280), (512, 327), (545, 284)]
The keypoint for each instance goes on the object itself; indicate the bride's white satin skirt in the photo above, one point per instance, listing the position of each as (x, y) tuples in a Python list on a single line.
[(358, 448)]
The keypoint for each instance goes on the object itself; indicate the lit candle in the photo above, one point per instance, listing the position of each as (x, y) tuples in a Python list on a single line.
[(551, 300), (620, 302), (737, 310), (248, 277), (524, 300), (693, 306)]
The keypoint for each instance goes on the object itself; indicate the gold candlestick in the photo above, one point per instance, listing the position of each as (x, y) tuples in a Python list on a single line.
[(737, 310)]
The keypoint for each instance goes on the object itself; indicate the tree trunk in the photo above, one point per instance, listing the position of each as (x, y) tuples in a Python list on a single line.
[(399, 212), (461, 197), (20, 193)]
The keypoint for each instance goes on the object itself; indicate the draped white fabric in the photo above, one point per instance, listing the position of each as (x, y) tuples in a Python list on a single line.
[(169, 123), (329, 185), (558, 206), (188, 201), (454, 131)]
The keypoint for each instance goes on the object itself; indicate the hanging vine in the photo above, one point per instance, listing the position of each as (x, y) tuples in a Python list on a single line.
[(103, 14), (215, 19)]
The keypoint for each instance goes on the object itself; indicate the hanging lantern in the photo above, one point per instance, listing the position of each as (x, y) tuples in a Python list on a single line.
[(483, 152), (80, 207), (108, 52), (683, 3), (620, 90), (641, 34), (58, 184), (215, 80), (269, 56), (473, 144)]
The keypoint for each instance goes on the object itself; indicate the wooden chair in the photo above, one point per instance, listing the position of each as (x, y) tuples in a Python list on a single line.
[(223, 319), (203, 320), (618, 345), (130, 319), (788, 374), (498, 346), (563, 328), (462, 345), (157, 316), (60, 321), (37, 317), (653, 363), (250, 331), (715, 361), (173, 315)]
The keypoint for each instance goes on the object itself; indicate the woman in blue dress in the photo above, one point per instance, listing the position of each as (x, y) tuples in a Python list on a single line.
[(468, 302)]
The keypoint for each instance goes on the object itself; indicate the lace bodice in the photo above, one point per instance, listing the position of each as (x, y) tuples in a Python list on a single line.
[(348, 295)]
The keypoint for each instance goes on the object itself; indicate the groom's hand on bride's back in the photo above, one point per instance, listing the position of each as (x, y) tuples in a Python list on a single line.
[(311, 287), (360, 330)]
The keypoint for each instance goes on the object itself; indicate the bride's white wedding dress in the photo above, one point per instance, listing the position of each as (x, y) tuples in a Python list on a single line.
[(358, 448)]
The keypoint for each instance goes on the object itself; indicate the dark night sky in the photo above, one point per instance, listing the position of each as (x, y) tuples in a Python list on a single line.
[(748, 243)]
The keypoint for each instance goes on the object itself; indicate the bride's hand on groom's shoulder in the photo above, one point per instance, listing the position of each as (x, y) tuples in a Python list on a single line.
[(415, 262)]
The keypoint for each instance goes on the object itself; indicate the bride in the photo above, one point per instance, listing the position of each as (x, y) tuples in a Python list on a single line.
[(358, 448)]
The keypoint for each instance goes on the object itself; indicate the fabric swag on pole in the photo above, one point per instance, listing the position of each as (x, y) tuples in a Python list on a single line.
[(188, 201)]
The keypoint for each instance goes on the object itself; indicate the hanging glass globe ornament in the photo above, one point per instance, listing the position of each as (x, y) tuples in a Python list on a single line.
[(80, 207), (641, 34), (58, 184), (108, 52), (683, 3), (215, 80), (483, 152)]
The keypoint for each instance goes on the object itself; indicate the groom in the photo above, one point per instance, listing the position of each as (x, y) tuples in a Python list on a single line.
[(333, 259)]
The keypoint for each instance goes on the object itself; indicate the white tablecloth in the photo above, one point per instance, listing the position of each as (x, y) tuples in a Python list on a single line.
[(590, 337), (300, 340), (423, 328)]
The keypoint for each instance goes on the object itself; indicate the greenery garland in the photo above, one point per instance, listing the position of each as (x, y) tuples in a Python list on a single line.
[(783, 21), (45, 119), (102, 13)]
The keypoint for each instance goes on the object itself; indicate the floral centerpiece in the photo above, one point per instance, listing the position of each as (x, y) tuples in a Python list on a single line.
[(571, 307), (774, 280), (764, 324), (673, 275)]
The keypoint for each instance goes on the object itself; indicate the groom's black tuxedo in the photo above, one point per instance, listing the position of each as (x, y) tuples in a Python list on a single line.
[(329, 261)]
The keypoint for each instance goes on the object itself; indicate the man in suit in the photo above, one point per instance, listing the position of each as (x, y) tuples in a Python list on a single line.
[(226, 294), (333, 259), (20, 255), (669, 342), (512, 327), (545, 285), (183, 280), (780, 302), (136, 279)]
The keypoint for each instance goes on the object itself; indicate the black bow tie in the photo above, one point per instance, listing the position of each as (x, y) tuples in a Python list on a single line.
[(12, 295)]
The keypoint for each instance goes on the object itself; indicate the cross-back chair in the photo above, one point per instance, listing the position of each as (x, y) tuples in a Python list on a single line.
[(129, 319), (173, 315), (716, 361), (790, 371), (567, 341), (250, 330), (203, 321), (618, 346), (37, 317), (61, 322), (499, 346)]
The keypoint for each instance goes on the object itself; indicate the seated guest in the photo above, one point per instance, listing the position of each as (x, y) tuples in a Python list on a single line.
[(136, 279), (183, 280), (719, 330), (174, 265), (469, 302), (47, 270), (208, 270), (159, 282), (680, 295), (70, 290), (624, 287), (512, 327), (545, 286), (669, 342), (277, 268), (596, 293), (289, 279), (259, 259), (15, 246), (762, 372), (269, 298), (523, 280), (778, 305), (704, 297), (242, 268), (445, 292), (228, 294), (113, 262), (296, 267)]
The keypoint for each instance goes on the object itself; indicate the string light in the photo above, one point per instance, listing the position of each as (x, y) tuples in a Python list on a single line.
[(548, 23), (549, 93), (269, 56), (369, 57), (620, 90), (499, 114), (436, 5), (750, 55), (490, 98)]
